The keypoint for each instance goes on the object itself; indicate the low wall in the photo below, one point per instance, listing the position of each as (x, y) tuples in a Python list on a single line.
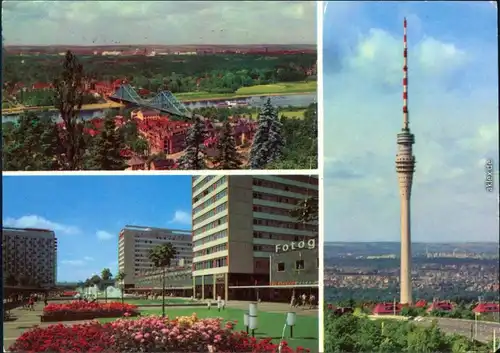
[(81, 316)]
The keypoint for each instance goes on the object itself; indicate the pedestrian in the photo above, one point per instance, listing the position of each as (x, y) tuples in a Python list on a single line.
[(219, 302)]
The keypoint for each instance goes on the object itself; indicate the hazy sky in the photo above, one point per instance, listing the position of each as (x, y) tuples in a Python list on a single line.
[(158, 22), (453, 105), (87, 223)]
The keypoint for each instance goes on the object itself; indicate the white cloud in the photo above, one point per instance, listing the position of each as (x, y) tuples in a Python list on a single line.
[(455, 125), (181, 217), (103, 235), (34, 221), (159, 22), (88, 258), (73, 262)]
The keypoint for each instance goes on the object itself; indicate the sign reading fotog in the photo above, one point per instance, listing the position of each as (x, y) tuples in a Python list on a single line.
[(299, 245)]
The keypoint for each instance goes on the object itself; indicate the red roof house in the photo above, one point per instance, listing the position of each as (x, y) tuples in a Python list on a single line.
[(440, 306), (420, 304), (387, 309), (484, 308)]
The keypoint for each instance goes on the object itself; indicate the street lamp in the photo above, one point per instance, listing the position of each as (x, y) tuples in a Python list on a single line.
[(290, 321), (252, 317), (245, 320)]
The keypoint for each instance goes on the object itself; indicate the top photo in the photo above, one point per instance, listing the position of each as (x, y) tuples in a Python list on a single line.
[(164, 85)]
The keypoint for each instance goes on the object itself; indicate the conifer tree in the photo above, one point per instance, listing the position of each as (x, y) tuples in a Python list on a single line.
[(68, 99), (105, 149), (268, 143), (194, 157), (228, 157)]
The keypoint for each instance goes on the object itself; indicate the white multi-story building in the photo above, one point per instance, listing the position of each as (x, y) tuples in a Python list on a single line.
[(237, 223), (135, 242), (30, 254)]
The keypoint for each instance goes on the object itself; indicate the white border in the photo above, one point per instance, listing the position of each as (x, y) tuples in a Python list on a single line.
[(173, 172), (320, 7)]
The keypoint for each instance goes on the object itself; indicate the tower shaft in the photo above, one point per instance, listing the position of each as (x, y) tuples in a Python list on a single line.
[(405, 167)]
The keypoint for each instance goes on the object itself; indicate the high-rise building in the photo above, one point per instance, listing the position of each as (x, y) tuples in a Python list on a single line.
[(135, 242), (30, 255), (237, 223), (405, 168)]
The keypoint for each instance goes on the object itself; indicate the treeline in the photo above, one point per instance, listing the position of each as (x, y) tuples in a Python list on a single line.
[(356, 334), (210, 73)]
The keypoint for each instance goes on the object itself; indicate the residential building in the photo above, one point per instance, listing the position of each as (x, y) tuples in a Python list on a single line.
[(135, 242), (30, 255), (237, 223)]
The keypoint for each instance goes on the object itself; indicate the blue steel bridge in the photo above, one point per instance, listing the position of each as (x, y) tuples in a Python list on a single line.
[(164, 101)]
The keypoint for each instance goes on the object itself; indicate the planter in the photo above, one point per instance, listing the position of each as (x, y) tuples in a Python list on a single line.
[(83, 315)]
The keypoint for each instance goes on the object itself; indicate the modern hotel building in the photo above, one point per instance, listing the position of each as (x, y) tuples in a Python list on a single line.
[(31, 254), (135, 242), (237, 223)]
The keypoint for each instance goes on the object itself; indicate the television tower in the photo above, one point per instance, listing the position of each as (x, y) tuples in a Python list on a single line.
[(405, 167)]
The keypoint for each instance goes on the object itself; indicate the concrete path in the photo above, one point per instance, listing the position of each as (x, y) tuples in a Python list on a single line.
[(273, 307), (24, 320)]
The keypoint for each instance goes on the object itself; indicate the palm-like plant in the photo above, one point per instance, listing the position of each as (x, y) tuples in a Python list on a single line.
[(106, 276), (120, 277), (161, 256)]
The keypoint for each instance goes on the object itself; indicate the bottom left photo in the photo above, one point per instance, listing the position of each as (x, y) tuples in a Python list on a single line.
[(207, 263)]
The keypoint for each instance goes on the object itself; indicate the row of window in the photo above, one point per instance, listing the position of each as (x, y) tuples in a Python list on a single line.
[(284, 187), (264, 248), (272, 210), (213, 237), (210, 189), (307, 179), (210, 225), (287, 225), (201, 183), (211, 250), (275, 198), (211, 213), (216, 263), (298, 265), (210, 201), (277, 236)]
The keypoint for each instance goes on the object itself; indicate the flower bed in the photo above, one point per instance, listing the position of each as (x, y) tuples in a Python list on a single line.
[(81, 310), (147, 334)]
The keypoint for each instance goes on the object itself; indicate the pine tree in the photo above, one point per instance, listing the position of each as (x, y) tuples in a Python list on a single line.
[(68, 99), (31, 143), (194, 157), (105, 148), (268, 143), (228, 157)]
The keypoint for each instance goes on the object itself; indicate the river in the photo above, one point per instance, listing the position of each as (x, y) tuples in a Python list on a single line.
[(295, 100)]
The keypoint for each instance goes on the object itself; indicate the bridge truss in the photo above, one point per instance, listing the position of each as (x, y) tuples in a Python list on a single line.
[(164, 101)]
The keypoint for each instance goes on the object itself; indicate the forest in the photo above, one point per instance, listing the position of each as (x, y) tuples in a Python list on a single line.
[(215, 73), (353, 333)]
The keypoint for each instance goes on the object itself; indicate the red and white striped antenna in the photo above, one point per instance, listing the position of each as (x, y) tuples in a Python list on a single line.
[(405, 77)]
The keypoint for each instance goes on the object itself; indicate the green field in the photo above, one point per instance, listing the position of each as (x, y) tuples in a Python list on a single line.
[(157, 301), (270, 324), (259, 90), (289, 114)]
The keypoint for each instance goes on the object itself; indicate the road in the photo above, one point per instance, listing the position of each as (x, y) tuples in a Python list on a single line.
[(465, 327), (97, 106)]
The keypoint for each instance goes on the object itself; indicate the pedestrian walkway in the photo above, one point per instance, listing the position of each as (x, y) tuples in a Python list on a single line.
[(273, 307), (24, 320)]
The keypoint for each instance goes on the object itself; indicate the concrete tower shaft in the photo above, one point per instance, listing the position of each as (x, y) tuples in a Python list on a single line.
[(405, 167)]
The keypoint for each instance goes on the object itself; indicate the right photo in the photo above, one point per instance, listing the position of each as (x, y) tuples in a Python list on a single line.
[(411, 261)]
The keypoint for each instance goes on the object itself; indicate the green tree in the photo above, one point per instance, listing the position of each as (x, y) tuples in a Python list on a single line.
[(30, 144), (96, 281), (106, 276), (68, 99), (161, 256), (105, 149), (228, 157), (306, 210), (194, 157), (120, 278), (268, 142)]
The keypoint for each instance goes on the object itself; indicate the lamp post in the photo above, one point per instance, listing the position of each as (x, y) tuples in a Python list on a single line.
[(291, 318), (252, 317), (245, 321)]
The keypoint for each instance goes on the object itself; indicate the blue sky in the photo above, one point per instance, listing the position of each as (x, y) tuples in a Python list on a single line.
[(87, 213), (453, 100), (158, 22)]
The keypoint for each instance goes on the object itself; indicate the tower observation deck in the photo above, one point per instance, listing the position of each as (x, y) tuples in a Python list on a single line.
[(405, 167)]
